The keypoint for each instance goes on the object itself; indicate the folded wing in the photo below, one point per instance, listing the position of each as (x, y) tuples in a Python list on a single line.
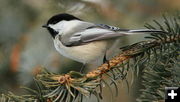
[(103, 32)]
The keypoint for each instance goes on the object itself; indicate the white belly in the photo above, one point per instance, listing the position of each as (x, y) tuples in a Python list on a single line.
[(84, 53)]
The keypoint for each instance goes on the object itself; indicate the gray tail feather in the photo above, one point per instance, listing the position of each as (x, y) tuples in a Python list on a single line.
[(145, 31)]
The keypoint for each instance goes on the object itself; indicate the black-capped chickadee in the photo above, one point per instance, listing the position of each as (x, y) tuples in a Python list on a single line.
[(84, 41)]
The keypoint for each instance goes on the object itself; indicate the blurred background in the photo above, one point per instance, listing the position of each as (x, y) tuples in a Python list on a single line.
[(25, 47)]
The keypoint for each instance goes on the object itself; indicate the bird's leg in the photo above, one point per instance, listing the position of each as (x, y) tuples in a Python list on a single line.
[(82, 68), (105, 60)]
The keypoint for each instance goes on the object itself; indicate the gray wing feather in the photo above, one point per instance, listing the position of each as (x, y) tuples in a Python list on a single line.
[(100, 36), (93, 34), (112, 28)]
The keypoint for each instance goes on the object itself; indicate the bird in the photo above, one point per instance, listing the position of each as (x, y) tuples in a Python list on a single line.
[(84, 41)]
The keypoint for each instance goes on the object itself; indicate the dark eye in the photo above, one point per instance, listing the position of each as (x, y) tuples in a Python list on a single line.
[(54, 22)]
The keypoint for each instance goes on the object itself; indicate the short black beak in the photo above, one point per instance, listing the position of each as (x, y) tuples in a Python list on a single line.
[(45, 26)]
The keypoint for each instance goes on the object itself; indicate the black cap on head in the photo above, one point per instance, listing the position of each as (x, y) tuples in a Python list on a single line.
[(63, 16), (57, 18)]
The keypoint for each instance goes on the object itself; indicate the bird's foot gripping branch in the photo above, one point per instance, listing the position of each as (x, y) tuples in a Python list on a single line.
[(155, 61)]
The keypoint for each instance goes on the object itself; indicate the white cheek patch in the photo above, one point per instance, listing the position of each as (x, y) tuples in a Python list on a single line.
[(58, 26)]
